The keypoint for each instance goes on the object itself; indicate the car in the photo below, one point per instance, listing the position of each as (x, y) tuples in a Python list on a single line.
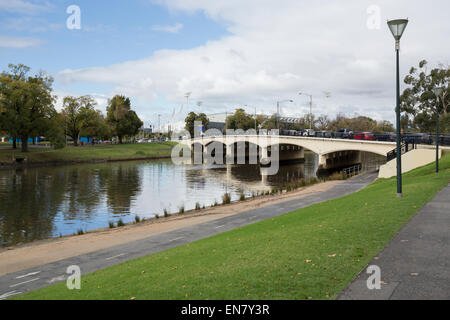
[(386, 136), (309, 133), (343, 134), (364, 136), (323, 134), (418, 138)]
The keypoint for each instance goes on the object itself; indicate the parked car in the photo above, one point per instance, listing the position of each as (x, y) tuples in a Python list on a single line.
[(323, 134), (418, 138), (343, 134), (444, 140), (309, 133), (386, 136), (364, 136)]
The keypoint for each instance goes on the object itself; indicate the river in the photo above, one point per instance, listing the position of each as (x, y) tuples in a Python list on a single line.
[(45, 202)]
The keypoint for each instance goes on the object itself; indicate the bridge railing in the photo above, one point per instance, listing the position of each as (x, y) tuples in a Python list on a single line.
[(405, 147), (353, 170)]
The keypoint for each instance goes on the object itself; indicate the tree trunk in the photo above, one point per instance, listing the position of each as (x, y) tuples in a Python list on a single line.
[(24, 144), (14, 142), (75, 141), (120, 139)]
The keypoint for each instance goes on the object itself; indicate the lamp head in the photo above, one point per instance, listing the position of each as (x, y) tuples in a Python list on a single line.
[(397, 27)]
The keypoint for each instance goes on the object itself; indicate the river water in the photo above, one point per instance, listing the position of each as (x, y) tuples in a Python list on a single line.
[(39, 203)]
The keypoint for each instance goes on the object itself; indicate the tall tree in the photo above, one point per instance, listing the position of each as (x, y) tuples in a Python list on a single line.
[(240, 120), (77, 112), (122, 120), (27, 103), (190, 120), (419, 101)]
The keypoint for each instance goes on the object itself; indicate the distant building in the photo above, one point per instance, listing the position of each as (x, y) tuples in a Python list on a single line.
[(217, 121)]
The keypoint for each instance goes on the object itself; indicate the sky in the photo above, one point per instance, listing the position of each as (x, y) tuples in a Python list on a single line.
[(226, 53)]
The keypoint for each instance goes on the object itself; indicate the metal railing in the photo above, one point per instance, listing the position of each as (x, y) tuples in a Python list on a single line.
[(353, 170), (405, 147)]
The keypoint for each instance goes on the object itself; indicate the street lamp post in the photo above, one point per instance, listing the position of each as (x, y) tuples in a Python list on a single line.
[(397, 28), (278, 111), (437, 92), (310, 107)]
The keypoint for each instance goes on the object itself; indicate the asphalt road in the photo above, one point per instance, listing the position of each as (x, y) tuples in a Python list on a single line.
[(20, 282), (416, 263)]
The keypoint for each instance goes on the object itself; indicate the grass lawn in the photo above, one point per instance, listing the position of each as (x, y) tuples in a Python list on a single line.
[(312, 253), (88, 153)]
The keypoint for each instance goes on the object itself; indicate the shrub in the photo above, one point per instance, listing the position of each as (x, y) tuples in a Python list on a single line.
[(242, 196), (166, 214), (197, 206), (137, 219), (226, 198), (120, 223), (111, 224), (156, 216), (181, 210), (80, 232)]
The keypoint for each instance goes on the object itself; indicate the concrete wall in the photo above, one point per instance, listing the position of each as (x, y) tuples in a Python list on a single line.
[(411, 160)]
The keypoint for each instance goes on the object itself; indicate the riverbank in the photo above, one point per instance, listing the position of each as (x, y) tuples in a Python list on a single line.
[(21, 257), (312, 253), (42, 156)]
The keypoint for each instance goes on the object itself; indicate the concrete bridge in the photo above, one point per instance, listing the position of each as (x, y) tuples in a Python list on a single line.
[(332, 152)]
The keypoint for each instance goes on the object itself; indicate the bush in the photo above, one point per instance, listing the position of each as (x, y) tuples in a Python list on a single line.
[(111, 224), (197, 206), (156, 216), (120, 223), (181, 210), (80, 232), (242, 196), (137, 219), (166, 214), (226, 198)]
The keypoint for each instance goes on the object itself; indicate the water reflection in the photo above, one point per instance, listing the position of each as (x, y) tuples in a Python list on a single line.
[(39, 203)]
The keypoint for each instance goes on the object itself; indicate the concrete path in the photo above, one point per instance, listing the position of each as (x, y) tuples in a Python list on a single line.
[(416, 263), (35, 278)]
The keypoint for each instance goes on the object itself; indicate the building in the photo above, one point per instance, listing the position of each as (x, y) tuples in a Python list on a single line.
[(217, 121)]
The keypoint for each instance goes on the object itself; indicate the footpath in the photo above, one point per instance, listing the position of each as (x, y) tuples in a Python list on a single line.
[(416, 263)]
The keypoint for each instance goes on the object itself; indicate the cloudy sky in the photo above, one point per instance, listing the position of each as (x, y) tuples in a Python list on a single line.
[(227, 53)]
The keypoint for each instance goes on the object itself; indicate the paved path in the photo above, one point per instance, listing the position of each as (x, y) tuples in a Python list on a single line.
[(416, 263), (35, 278)]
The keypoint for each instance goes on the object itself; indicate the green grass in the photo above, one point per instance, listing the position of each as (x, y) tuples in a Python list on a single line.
[(90, 153), (312, 253)]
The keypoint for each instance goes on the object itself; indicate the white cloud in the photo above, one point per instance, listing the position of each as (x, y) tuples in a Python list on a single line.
[(169, 28), (18, 42), (276, 49), (25, 7)]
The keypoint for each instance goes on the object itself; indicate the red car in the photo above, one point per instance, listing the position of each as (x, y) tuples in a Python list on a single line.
[(364, 136)]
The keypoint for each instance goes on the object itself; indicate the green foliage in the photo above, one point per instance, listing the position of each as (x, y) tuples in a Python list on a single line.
[(418, 100), (120, 223), (122, 120), (226, 198), (111, 224), (190, 120), (240, 120), (137, 219), (26, 103)]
